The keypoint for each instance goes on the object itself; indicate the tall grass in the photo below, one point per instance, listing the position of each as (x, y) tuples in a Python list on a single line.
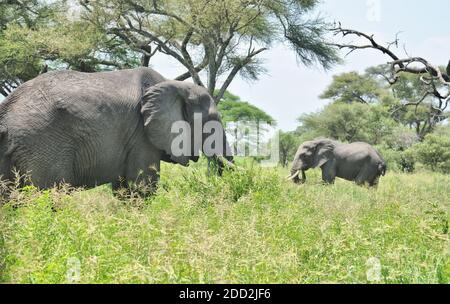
[(250, 226)]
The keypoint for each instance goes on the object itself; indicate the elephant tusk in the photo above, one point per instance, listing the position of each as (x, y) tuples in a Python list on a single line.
[(294, 176)]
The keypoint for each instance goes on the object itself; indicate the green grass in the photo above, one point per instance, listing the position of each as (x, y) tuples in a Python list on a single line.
[(248, 227)]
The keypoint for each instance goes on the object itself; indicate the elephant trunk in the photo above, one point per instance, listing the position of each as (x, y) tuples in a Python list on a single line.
[(295, 176), (297, 168), (223, 160)]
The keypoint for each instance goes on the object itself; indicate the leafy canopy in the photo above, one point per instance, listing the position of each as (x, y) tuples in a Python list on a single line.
[(233, 109), (349, 122), (400, 99), (289, 142), (36, 35), (434, 151), (353, 87), (222, 38)]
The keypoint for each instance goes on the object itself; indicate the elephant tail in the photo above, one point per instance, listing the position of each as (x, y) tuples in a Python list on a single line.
[(382, 168)]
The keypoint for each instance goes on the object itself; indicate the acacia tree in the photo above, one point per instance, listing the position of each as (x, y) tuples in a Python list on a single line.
[(37, 35), (349, 122), (423, 117), (435, 79), (222, 38), (353, 87), (289, 142), (369, 89), (21, 14), (239, 116)]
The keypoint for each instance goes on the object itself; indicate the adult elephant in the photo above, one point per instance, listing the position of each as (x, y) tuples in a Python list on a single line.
[(358, 162), (89, 129)]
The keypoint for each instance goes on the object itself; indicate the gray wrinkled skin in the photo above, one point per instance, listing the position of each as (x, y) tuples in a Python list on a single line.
[(92, 129), (358, 162)]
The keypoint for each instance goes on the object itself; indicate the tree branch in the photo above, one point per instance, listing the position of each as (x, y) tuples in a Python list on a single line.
[(198, 69), (234, 72), (164, 47), (400, 65)]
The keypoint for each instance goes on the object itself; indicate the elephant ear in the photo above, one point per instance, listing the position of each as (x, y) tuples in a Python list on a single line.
[(324, 152), (161, 106)]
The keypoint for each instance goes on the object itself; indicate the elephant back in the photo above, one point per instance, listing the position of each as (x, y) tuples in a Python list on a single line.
[(39, 98)]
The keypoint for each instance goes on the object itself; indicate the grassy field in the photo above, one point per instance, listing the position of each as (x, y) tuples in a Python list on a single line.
[(248, 227)]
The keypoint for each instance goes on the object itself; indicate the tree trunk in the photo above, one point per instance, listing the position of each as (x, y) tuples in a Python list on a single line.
[(145, 60)]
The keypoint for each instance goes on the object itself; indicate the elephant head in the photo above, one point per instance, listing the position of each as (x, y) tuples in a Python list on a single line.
[(173, 106), (311, 154)]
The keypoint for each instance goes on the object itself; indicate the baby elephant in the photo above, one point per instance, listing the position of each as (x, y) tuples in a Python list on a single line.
[(358, 162)]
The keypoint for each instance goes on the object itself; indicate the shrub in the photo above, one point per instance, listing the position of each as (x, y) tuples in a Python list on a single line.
[(401, 139), (350, 122), (403, 161), (407, 162), (434, 152)]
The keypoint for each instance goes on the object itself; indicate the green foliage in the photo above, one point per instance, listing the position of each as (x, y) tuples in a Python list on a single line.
[(399, 99), (349, 122), (434, 152), (289, 143), (401, 138), (407, 161), (18, 59), (397, 149), (35, 34), (398, 160), (307, 40), (233, 109), (222, 37), (403, 97), (246, 124), (248, 227), (353, 88)]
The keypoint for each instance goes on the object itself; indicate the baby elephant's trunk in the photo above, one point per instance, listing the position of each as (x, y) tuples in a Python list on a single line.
[(382, 169)]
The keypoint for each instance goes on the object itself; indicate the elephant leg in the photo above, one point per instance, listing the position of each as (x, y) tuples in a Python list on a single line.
[(329, 172), (374, 182), (364, 176), (121, 189), (142, 171), (144, 181), (45, 172), (139, 182), (360, 180)]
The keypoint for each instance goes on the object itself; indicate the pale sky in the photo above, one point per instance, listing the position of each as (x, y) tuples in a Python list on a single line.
[(289, 89)]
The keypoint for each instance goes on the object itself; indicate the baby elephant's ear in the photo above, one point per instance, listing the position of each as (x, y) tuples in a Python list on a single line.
[(324, 153)]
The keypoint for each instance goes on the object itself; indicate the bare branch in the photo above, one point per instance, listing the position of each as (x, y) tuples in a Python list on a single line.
[(413, 65), (164, 48), (198, 69), (234, 72)]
